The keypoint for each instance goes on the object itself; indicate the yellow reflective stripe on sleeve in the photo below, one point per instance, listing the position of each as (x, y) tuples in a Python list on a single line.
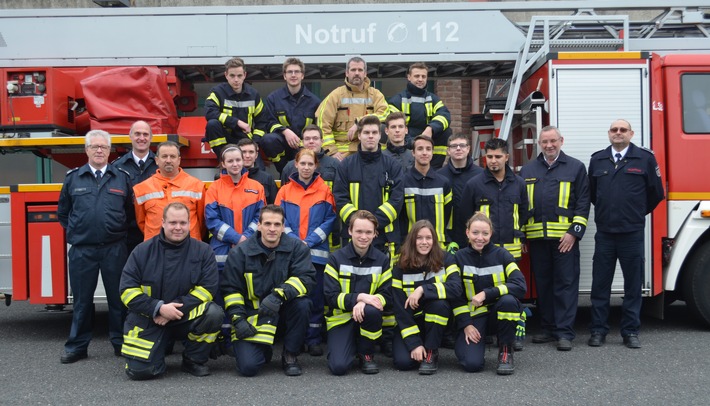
[(564, 194), (436, 319), (442, 120), (330, 271), (406, 332), (297, 284), (388, 320), (130, 294), (382, 299), (440, 149), (580, 220), (397, 284), (346, 211), (214, 98), (233, 300), (440, 290), (502, 290), (341, 301), (201, 293), (461, 310), (389, 211), (451, 269), (510, 268)]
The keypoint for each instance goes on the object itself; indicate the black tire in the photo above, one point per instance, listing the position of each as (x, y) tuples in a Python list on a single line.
[(696, 283)]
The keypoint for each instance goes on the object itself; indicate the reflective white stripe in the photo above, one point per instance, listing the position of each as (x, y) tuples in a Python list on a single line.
[(222, 231), (221, 258), (150, 196), (234, 103), (253, 226), (489, 270), (424, 191), (288, 230), (356, 100), (417, 277), (363, 271), (187, 193), (320, 234), (416, 99), (320, 253)]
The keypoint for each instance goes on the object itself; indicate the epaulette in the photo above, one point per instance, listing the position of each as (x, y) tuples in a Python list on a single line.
[(647, 150), (599, 152), (123, 170), (73, 170)]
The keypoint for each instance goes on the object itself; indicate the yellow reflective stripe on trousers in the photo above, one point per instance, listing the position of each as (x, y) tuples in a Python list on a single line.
[(203, 338), (372, 335), (388, 320), (436, 319), (509, 316)]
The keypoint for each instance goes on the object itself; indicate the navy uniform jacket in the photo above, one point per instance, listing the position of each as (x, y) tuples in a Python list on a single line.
[(370, 181), (494, 271), (347, 275), (624, 194), (426, 197), (402, 154), (228, 107), (444, 284), (458, 177), (505, 203), (292, 111), (558, 197), (95, 213)]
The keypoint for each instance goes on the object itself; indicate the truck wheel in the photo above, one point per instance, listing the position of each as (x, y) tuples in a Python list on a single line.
[(696, 283)]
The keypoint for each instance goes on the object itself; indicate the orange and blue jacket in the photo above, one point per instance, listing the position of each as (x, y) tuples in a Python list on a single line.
[(232, 211), (310, 214)]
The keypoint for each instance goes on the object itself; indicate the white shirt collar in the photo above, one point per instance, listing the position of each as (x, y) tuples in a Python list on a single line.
[(622, 152)]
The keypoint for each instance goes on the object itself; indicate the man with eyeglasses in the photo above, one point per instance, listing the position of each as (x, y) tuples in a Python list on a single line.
[(290, 110), (558, 189), (95, 204), (140, 165), (459, 170), (625, 186)]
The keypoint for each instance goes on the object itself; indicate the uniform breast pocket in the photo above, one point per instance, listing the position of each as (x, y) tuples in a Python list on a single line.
[(195, 270)]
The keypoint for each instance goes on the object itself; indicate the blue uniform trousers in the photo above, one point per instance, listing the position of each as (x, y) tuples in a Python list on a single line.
[(315, 321), (629, 250), (557, 279), (294, 318), (345, 341), (431, 333), (85, 261), (471, 356)]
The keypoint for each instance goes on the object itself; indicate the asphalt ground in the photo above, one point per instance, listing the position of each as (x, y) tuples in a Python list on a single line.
[(671, 368)]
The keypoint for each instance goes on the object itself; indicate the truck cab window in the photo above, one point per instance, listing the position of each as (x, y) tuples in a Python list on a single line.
[(696, 103)]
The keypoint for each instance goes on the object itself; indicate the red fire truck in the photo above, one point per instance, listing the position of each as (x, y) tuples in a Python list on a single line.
[(577, 72)]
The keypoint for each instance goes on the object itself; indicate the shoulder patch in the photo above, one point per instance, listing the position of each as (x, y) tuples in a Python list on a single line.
[(598, 152), (72, 170), (647, 150)]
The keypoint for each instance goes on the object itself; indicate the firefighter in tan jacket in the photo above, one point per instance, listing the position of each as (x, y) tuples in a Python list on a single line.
[(338, 114)]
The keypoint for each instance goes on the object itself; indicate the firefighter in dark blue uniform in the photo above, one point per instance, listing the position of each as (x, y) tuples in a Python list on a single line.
[(371, 181), (234, 110), (140, 165), (168, 285), (625, 186), (290, 110), (502, 196), (558, 195), (426, 113), (427, 195), (459, 170), (95, 204)]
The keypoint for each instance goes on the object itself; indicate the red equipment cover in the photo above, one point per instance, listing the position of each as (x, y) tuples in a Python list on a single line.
[(118, 97)]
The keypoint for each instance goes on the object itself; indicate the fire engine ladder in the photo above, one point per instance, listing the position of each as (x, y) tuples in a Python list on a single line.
[(677, 28), (546, 33)]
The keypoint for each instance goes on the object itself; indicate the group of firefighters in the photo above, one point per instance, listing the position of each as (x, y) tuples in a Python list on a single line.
[(367, 243)]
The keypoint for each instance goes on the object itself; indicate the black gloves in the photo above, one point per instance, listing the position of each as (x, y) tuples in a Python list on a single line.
[(269, 309), (243, 329)]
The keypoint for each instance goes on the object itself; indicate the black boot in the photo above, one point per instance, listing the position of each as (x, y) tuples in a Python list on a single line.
[(430, 363), (505, 360)]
